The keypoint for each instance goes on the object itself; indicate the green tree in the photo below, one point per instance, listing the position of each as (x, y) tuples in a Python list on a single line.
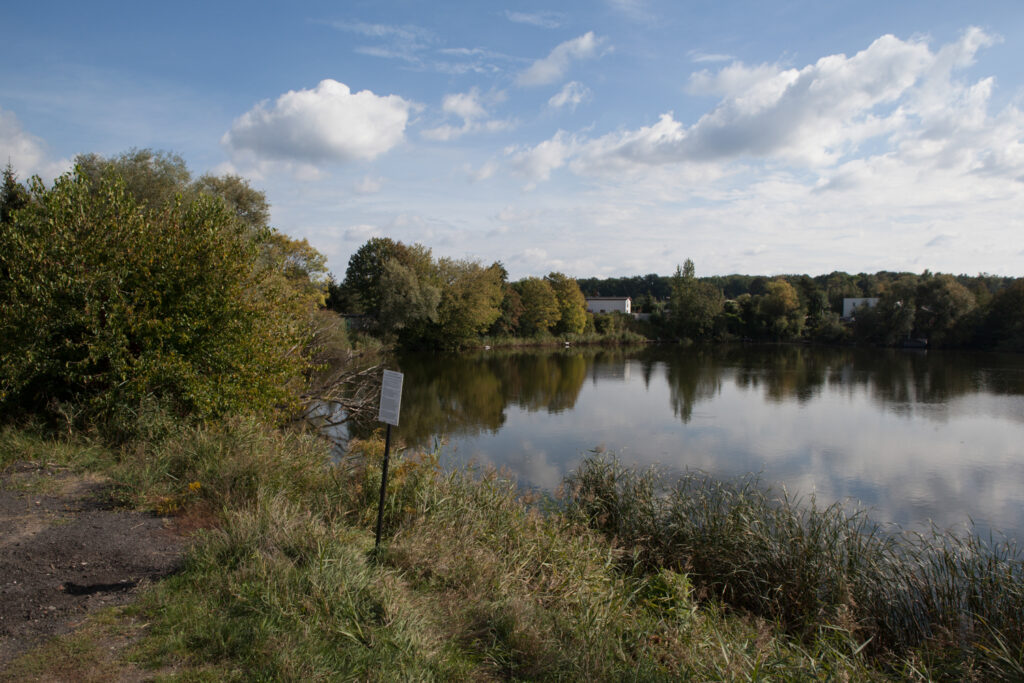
[(365, 268), (892, 320), (111, 303), (407, 300), (941, 302), (1002, 326), (510, 310), (540, 306), (471, 298), (366, 265), (151, 178), (572, 305), (249, 204), (694, 305), (779, 310), (13, 195)]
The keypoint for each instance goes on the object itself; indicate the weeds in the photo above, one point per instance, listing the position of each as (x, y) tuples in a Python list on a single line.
[(957, 601)]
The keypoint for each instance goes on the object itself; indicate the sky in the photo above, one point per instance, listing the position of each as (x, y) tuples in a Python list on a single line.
[(598, 138)]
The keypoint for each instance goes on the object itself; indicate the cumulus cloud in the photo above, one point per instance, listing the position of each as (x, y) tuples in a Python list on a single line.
[(27, 153), (900, 94), (327, 123), (554, 67), (470, 107), (537, 163), (571, 95)]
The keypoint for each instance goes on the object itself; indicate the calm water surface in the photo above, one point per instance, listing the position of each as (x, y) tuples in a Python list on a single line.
[(915, 436)]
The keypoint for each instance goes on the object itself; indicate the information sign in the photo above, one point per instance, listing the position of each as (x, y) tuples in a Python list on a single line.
[(390, 397)]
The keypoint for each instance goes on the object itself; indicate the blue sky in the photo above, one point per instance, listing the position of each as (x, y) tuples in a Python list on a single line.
[(595, 138)]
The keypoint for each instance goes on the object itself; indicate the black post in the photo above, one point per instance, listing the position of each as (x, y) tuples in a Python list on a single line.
[(383, 484)]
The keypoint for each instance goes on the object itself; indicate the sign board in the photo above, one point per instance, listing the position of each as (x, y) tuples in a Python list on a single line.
[(390, 397)]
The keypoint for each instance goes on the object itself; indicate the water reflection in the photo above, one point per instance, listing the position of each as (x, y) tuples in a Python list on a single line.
[(915, 435), (468, 394), (893, 378)]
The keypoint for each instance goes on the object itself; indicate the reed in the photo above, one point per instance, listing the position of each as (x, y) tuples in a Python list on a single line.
[(944, 601)]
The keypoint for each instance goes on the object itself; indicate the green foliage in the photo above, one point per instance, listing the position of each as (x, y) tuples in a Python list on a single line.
[(540, 306), (572, 306), (1003, 324), (366, 268), (932, 307), (405, 299), (151, 179), (471, 297), (941, 302), (114, 305), (694, 305), (249, 204), (779, 310), (13, 195), (509, 312)]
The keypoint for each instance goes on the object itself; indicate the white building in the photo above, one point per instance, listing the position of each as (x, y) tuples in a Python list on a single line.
[(607, 304), (850, 305)]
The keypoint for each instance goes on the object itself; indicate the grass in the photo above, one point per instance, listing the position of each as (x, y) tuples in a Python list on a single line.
[(617, 337), (624, 579), (952, 606)]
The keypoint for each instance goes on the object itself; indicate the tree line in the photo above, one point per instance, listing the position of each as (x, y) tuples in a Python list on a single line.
[(406, 296), (982, 312)]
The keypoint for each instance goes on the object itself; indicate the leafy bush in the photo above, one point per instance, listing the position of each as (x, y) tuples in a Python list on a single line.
[(114, 306)]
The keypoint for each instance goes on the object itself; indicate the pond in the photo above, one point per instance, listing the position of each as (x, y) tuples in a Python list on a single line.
[(912, 435)]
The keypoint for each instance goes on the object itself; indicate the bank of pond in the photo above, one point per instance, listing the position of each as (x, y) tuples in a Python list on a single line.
[(622, 574)]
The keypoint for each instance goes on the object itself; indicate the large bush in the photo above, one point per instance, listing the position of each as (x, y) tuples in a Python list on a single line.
[(110, 303)]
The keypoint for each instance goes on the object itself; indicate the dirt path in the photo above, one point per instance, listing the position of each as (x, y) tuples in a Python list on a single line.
[(66, 550)]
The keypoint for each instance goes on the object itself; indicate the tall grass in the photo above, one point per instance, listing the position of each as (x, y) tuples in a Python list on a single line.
[(473, 582), (476, 580), (952, 601)]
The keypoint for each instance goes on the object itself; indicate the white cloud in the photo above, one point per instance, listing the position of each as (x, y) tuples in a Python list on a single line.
[(636, 10), (700, 57), (537, 163), (328, 123), (369, 185), (406, 42), (27, 154), (898, 94), (470, 107), (361, 233), (486, 170), (543, 19), (553, 67), (571, 95), (467, 105)]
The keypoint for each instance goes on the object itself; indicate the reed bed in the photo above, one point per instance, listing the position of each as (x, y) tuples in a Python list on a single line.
[(951, 603)]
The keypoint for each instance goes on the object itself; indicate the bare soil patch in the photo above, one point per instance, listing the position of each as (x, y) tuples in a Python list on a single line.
[(66, 550)]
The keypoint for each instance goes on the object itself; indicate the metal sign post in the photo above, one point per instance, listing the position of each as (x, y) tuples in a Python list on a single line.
[(390, 405)]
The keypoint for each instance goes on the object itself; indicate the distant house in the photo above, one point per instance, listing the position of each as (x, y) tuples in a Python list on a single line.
[(607, 304), (850, 305)]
